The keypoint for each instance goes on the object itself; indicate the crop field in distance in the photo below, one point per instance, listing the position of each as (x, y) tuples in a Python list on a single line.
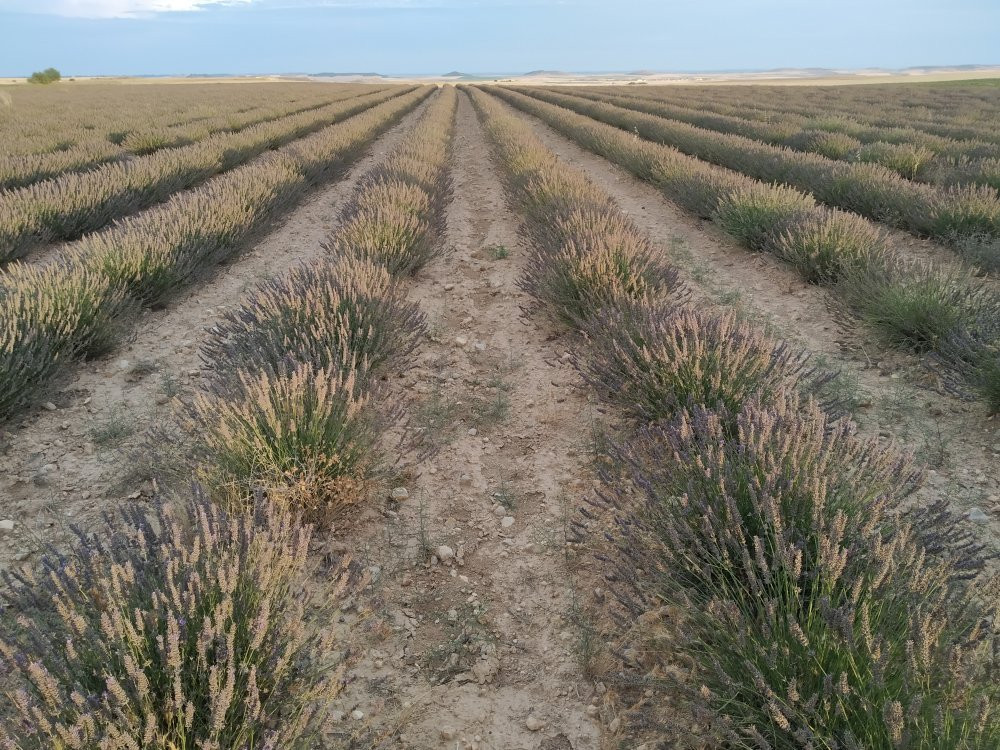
[(542, 413)]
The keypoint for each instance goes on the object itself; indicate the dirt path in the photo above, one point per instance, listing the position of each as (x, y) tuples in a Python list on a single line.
[(898, 396), (65, 463), (466, 638)]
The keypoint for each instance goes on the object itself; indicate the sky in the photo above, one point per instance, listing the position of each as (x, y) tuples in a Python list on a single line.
[(164, 37)]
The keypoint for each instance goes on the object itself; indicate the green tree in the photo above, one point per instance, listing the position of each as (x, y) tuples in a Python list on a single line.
[(49, 75)]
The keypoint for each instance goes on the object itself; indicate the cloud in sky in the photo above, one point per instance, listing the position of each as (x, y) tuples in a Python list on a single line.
[(114, 8), (146, 8)]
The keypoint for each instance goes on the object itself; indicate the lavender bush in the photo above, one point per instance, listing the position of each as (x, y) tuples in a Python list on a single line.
[(180, 628)]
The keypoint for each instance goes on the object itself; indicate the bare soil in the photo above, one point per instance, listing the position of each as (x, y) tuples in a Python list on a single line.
[(478, 650)]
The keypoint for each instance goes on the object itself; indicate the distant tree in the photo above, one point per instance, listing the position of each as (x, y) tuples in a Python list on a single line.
[(49, 75)]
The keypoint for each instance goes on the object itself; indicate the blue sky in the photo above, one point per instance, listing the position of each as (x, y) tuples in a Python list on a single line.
[(142, 37)]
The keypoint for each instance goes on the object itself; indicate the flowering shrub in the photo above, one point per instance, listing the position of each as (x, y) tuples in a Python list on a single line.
[(917, 306), (756, 213), (813, 615), (396, 217), (823, 246), (50, 315), (331, 313), (654, 361), (182, 628), (305, 433), (602, 260)]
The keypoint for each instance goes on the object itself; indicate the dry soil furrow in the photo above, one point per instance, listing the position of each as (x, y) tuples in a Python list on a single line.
[(68, 461), (898, 395), (473, 646)]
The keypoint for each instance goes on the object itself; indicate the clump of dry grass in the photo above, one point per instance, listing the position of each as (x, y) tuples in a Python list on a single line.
[(185, 627)]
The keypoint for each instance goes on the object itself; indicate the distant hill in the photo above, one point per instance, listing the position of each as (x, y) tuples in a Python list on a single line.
[(799, 72), (465, 76), (545, 73), (459, 75), (338, 75), (951, 67)]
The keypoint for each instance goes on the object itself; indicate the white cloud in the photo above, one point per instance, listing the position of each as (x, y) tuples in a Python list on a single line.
[(112, 8), (141, 8)]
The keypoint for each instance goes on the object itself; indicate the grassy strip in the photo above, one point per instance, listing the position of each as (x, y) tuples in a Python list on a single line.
[(917, 159), (77, 203), (190, 626), (21, 170), (916, 307), (60, 118), (294, 374), (757, 541), (45, 323), (823, 120), (890, 110), (957, 214)]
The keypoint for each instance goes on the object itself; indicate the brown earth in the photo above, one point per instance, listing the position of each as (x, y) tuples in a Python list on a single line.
[(477, 651)]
